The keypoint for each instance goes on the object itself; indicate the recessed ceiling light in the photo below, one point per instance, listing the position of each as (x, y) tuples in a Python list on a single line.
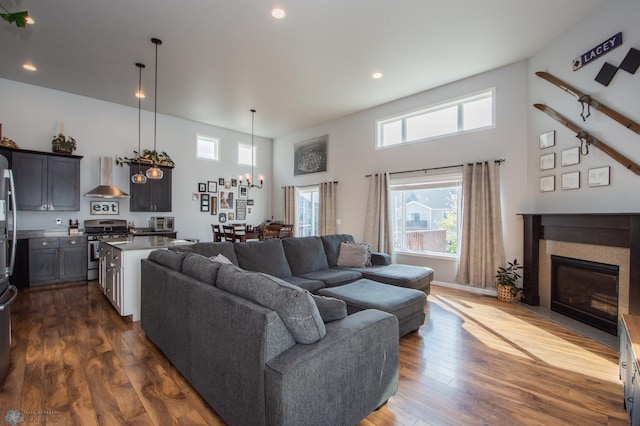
[(140, 95), (376, 75), (29, 67), (278, 13)]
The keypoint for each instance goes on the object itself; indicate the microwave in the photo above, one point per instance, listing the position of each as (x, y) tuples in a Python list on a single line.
[(162, 224)]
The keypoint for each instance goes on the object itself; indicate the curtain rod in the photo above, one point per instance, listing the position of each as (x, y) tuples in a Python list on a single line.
[(500, 161), (313, 184)]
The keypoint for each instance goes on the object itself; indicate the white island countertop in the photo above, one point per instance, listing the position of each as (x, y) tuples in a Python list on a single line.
[(146, 243)]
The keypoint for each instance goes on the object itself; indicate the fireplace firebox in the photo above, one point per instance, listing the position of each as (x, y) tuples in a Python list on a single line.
[(586, 291)]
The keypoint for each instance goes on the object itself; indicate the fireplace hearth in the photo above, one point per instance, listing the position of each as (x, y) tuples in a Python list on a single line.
[(586, 291)]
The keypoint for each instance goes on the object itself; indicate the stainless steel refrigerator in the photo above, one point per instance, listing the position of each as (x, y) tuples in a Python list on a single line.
[(8, 292)]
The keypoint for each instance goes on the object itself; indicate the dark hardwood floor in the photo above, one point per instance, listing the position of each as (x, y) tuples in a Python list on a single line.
[(476, 361)]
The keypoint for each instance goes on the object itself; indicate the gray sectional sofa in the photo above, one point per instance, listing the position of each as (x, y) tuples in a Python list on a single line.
[(261, 345), (261, 351)]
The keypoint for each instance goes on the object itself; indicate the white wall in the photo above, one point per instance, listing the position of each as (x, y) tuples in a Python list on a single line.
[(352, 155), (31, 116), (622, 94)]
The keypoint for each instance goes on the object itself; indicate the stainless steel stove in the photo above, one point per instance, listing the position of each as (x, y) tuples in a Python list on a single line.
[(100, 229)]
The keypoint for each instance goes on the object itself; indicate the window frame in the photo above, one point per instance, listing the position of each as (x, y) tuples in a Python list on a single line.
[(312, 189), (448, 179), (216, 141), (253, 156), (458, 102)]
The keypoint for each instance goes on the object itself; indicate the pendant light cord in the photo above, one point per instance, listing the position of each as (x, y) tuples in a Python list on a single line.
[(253, 118), (140, 66), (155, 102)]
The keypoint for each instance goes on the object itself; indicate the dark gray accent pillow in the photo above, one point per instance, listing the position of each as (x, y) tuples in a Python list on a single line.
[(263, 256), (293, 305), (330, 308), (170, 259), (201, 268), (305, 254), (332, 246)]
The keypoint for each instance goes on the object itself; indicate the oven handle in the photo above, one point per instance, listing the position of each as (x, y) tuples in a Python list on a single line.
[(10, 301)]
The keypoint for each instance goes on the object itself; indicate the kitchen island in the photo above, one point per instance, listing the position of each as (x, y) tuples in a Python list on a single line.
[(119, 270)]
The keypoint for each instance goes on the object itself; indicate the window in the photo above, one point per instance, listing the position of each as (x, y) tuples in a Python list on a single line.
[(426, 214), (308, 199), (457, 116), (246, 155), (207, 148)]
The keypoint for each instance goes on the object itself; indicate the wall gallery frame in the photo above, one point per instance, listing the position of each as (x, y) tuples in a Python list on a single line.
[(548, 139), (548, 161), (547, 184), (310, 156), (571, 180), (599, 176), (212, 186), (570, 156)]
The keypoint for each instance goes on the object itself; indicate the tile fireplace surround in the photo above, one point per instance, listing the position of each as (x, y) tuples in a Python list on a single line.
[(607, 238)]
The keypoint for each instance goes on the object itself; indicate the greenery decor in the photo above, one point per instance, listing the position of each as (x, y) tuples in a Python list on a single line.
[(507, 280), (63, 144), (148, 156), (18, 18)]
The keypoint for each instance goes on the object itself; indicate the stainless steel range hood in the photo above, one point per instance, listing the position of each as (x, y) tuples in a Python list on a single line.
[(106, 189)]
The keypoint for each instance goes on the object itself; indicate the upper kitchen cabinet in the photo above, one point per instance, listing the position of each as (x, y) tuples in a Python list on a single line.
[(153, 196), (45, 181)]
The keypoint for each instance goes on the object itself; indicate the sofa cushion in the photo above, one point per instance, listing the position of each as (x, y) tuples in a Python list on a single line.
[(200, 268), (330, 308), (304, 283), (263, 256), (331, 245), (211, 249), (294, 305), (305, 254), (169, 258), (354, 255), (332, 277)]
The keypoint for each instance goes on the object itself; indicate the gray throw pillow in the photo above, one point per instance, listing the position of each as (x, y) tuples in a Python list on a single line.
[(201, 268), (354, 255), (330, 308), (293, 305)]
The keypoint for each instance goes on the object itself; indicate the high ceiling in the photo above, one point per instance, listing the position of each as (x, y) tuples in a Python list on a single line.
[(221, 58)]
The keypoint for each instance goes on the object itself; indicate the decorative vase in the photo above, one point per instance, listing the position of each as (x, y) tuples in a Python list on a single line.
[(504, 293)]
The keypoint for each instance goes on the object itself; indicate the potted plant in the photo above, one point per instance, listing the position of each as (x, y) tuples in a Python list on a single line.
[(147, 156), (507, 279), (63, 144)]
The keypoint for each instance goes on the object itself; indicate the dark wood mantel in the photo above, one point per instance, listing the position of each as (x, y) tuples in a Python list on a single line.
[(613, 230)]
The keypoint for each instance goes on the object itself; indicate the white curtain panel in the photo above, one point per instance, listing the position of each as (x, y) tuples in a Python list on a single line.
[(482, 246), (377, 220), (327, 208), (290, 206)]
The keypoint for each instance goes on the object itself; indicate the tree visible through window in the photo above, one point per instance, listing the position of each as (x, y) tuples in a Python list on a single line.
[(426, 214)]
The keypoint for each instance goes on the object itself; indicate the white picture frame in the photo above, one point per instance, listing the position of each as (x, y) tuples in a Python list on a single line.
[(548, 161), (547, 139), (570, 180), (548, 183), (570, 156), (599, 176)]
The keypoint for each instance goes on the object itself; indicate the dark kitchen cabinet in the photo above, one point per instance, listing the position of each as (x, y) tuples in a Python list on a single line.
[(153, 196), (57, 259), (46, 181)]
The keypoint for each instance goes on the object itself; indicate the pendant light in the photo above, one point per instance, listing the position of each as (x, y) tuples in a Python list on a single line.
[(249, 180), (154, 172), (139, 177)]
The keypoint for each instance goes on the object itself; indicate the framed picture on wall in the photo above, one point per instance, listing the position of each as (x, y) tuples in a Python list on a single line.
[(547, 184), (212, 186), (548, 161), (243, 191), (214, 205), (548, 139), (571, 180), (570, 156), (310, 156), (202, 187), (599, 176)]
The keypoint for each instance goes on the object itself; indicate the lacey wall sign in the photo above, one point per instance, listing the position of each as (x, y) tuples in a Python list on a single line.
[(104, 207)]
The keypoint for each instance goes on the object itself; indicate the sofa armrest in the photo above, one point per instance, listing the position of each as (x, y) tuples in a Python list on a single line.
[(380, 259), (341, 378)]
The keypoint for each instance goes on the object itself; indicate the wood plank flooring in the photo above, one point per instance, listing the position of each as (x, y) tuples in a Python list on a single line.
[(476, 361)]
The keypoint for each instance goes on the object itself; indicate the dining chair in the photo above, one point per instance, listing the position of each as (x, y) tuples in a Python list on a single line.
[(217, 233), (270, 231), (229, 234)]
